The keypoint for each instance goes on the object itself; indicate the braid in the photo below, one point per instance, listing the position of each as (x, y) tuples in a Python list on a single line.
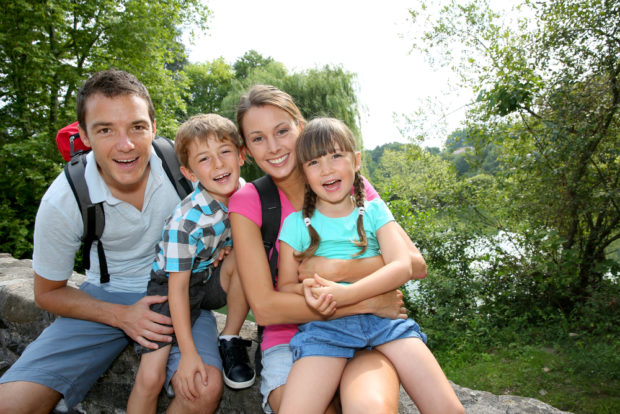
[(360, 196), (308, 211)]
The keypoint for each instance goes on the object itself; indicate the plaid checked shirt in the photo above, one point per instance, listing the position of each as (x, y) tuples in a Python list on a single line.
[(194, 233)]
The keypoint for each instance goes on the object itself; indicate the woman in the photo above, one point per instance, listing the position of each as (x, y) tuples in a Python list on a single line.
[(270, 124)]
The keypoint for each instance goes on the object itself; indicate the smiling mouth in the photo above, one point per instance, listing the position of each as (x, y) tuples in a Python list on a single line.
[(126, 162), (221, 177), (331, 184), (276, 161)]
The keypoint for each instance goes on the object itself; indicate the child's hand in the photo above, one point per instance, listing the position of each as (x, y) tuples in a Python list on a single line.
[(322, 303), (221, 255), (190, 366), (320, 286)]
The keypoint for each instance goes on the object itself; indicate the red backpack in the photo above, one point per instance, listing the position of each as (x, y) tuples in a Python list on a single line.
[(69, 142)]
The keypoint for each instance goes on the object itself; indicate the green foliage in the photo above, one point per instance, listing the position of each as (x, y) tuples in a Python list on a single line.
[(47, 49), (209, 83), (546, 114)]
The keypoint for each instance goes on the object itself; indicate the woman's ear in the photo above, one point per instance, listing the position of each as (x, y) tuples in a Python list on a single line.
[(358, 160), (187, 173)]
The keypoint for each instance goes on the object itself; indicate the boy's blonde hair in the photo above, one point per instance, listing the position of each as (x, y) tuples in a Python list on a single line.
[(201, 128)]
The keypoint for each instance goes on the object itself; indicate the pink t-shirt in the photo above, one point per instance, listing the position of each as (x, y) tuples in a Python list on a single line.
[(247, 203)]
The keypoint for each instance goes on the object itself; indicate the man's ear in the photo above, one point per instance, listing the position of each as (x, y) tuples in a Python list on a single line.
[(83, 136), (187, 173), (154, 127)]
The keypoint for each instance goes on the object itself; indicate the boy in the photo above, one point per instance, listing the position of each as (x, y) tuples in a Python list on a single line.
[(209, 150)]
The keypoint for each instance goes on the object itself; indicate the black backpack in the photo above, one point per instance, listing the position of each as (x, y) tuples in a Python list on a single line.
[(92, 214)]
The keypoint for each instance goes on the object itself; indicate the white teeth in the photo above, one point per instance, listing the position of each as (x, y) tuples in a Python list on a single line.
[(330, 182), (219, 177), (278, 160), (126, 161)]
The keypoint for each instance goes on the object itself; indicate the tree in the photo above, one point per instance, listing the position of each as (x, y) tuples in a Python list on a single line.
[(209, 83), (47, 49), (548, 89)]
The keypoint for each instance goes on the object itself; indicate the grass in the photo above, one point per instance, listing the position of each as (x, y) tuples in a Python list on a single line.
[(579, 374)]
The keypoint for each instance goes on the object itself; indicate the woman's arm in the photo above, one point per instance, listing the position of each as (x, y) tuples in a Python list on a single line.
[(272, 307), (288, 266)]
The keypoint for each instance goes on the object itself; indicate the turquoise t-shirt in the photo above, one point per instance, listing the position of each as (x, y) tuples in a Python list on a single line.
[(337, 234)]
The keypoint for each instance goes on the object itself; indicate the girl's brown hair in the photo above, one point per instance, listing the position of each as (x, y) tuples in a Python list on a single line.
[(318, 138), (261, 95)]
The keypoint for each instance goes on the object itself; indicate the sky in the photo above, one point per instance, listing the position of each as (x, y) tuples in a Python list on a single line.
[(369, 39)]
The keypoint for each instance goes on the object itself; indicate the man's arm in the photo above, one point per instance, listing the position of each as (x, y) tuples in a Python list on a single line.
[(137, 320)]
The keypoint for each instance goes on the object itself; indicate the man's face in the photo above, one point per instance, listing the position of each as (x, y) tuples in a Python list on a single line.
[(120, 132)]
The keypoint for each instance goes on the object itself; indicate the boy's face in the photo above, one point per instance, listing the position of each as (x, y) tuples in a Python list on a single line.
[(120, 132), (216, 164)]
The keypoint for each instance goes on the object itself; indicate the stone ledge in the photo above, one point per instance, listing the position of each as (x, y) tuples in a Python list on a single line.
[(21, 321)]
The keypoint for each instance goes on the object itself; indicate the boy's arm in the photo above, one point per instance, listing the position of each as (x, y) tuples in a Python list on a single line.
[(138, 321), (191, 362)]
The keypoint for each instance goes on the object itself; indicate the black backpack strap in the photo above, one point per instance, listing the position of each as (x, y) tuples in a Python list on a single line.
[(164, 148), (93, 216), (271, 210)]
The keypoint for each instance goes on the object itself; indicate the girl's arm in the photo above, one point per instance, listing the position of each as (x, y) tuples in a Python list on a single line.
[(191, 362), (272, 307), (398, 269), (346, 270)]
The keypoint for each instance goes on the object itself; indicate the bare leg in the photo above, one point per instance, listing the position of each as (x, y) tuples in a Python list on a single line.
[(149, 382), (235, 298), (27, 397), (369, 384), (422, 376), (311, 385), (209, 398)]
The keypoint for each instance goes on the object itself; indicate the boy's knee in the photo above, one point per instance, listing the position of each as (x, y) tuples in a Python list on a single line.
[(150, 380)]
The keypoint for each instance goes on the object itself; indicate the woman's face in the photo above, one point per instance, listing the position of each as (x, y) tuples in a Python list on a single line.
[(270, 137)]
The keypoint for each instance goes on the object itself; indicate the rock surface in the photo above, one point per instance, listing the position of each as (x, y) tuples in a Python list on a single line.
[(21, 322)]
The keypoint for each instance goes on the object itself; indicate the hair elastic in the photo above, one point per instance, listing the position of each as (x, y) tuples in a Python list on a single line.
[(307, 221), (361, 210)]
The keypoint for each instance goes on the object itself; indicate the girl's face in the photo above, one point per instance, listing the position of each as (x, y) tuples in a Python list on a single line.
[(270, 137), (331, 177)]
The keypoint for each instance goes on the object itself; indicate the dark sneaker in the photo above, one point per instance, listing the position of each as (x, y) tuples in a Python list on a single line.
[(238, 373)]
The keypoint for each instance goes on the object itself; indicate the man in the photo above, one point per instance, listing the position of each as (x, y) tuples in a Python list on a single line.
[(117, 120)]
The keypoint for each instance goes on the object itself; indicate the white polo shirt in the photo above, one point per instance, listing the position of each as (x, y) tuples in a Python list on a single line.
[(129, 236)]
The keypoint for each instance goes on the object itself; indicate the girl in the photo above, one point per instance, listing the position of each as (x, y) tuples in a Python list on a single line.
[(270, 123), (333, 223)]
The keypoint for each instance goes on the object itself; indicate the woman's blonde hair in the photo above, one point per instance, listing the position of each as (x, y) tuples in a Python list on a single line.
[(320, 137)]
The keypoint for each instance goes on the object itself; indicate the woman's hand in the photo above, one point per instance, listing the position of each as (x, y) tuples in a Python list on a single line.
[(388, 305)]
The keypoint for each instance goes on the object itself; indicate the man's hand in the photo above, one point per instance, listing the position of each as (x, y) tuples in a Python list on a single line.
[(143, 325), (184, 382)]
